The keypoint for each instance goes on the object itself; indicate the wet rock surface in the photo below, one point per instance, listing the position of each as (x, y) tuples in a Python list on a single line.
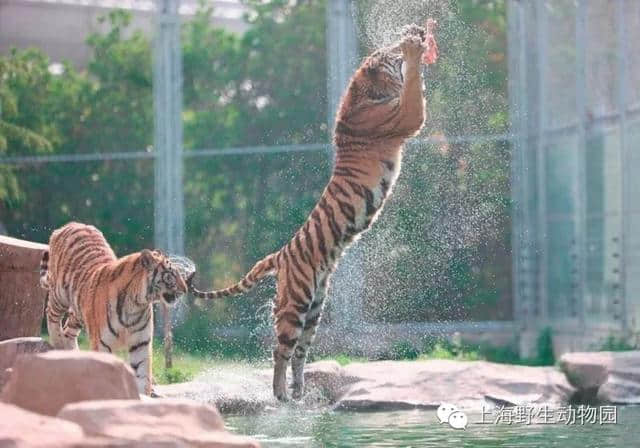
[(232, 389), (391, 385), (387, 385), (610, 377)]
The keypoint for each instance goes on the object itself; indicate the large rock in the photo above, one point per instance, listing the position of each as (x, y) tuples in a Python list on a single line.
[(20, 428), (45, 382), (11, 348), (621, 384), (21, 298), (23, 429), (586, 372), (391, 385), (154, 421)]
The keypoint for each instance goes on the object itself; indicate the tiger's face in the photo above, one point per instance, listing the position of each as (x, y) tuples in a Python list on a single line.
[(164, 281)]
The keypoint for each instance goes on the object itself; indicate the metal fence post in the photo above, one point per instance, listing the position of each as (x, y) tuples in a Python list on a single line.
[(518, 180), (168, 162), (342, 53), (622, 42), (541, 156)]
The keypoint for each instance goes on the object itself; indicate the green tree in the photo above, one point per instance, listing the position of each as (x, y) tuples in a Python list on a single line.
[(21, 131), (106, 109)]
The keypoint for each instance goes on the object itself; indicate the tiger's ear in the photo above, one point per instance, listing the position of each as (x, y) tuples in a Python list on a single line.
[(147, 259)]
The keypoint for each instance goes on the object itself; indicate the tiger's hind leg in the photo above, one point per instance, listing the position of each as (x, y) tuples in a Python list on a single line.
[(55, 311), (308, 333), (292, 304)]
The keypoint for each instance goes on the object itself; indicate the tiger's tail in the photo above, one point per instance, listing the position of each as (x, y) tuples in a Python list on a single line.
[(44, 270), (262, 268)]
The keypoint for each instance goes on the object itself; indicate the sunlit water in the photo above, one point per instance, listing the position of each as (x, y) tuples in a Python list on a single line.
[(287, 428)]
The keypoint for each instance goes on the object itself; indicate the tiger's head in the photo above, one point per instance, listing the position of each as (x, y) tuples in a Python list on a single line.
[(378, 81), (384, 70), (164, 280), (380, 76)]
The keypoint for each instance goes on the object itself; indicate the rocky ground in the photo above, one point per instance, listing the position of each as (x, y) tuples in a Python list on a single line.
[(88, 399), (393, 385), (80, 398)]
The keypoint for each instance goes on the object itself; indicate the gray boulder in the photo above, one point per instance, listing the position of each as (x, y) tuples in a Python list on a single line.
[(391, 385), (612, 377)]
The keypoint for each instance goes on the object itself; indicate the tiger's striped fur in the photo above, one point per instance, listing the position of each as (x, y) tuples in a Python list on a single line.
[(111, 297), (382, 107)]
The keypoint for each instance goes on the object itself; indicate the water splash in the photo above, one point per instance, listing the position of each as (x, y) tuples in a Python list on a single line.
[(428, 257), (184, 265), (381, 20)]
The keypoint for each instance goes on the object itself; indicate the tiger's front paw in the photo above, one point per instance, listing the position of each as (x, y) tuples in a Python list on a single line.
[(414, 30), (412, 48)]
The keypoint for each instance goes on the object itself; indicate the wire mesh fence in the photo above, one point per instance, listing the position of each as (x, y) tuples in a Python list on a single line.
[(575, 106)]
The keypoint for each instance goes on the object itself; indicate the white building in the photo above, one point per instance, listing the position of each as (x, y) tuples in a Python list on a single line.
[(60, 27)]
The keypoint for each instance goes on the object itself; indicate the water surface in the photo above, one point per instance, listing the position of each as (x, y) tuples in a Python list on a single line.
[(288, 427)]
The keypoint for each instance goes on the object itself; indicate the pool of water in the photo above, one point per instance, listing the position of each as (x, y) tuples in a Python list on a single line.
[(285, 427)]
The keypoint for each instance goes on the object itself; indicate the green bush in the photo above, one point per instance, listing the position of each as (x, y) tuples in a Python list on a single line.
[(403, 350), (613, 344), (545, 356), (175, 375), (502, 355)]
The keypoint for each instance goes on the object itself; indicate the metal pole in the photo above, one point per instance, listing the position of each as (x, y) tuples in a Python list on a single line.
[(167, 93), (621, 24), (167, 97), (348, 283), (518, 179), (578, 308), (342, 53), (542, 264)]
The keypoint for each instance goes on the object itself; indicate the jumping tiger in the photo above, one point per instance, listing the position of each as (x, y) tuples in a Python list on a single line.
[(382, 107), (112, 297)]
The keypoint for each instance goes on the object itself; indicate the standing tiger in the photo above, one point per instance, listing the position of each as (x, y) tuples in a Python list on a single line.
[(112, 297), (382, 108)]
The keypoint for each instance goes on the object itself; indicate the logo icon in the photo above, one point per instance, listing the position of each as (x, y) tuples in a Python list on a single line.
[(458, 420), (449, 413)]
